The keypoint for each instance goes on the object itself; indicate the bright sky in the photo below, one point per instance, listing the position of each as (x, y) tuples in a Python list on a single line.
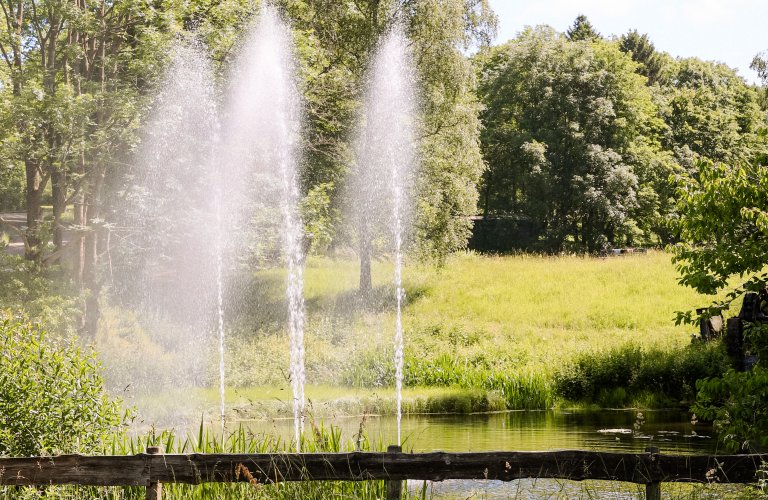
[(730, 31)]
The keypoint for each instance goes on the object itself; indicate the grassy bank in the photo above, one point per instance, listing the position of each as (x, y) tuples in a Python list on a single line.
[(319, 439), (504, 325)]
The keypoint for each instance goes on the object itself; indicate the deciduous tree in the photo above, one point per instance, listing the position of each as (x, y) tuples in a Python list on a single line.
[(336, 41), (571, 139)]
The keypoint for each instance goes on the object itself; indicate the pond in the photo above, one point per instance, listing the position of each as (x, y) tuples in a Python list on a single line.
[(610, 430), (605, 430)]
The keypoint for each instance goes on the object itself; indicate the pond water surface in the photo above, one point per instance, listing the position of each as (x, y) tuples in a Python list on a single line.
[(609, 430)]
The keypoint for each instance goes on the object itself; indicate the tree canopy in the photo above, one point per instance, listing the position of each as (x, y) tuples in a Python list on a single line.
[(581, 134), (723, 223), (338, 45), (77, 82), (653, 65), (581, 30), (571, 139)]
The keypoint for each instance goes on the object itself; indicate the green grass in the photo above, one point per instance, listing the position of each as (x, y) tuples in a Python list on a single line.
[(240, 440), (505, 325), (515, 315), (537, 312), (263, 402)]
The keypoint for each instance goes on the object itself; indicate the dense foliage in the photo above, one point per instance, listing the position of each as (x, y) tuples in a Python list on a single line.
[(620, 376), (737, 403), (711, 113), (52, 398), (724, 226), (582, 134), (336, 41), (572, 141), (41, 294)]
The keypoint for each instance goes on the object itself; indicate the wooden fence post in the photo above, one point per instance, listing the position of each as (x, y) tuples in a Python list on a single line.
[(394, 488), (653, 490), (154, 489)]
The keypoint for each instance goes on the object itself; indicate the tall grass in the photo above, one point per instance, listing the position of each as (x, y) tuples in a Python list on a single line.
[(321, 439), (503, 325), (514, 391)]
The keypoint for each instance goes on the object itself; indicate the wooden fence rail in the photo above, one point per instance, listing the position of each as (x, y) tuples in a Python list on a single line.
[(151, 469)]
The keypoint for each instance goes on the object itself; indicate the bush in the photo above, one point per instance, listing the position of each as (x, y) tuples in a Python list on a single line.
[(52, 397), (737, 403), (616, 377), (40, 293)]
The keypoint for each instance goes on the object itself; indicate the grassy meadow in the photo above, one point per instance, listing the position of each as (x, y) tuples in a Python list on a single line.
[(528, 332), (530, 313), (501, 323)]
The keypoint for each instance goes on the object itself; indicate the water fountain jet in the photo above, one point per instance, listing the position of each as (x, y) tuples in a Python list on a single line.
[(385, 164), (261, 129), (198, 187)]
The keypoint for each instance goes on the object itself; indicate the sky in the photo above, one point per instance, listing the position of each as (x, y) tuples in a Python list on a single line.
[(729, 31)]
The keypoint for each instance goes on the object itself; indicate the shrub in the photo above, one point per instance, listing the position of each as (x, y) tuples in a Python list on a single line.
[(737, 403), (52, 397), (41, 293), (616, 377)]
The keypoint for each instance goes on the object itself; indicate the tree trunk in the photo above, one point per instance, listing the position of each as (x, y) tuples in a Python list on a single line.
[(34, 195), (59, 192), (91, 257), (487, 194), (79, 247)]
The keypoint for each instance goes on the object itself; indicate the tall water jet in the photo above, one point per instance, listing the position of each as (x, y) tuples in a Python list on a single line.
[(220, 288), (260, 146), (385, 164), (167, 224)]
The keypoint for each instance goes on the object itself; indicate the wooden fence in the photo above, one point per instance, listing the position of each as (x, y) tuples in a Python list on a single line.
[(153, 468)]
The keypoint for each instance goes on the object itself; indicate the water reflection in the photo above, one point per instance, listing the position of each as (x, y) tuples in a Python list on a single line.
[(609, 430)]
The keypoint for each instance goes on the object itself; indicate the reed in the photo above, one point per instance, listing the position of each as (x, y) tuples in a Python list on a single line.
[(240, 440)]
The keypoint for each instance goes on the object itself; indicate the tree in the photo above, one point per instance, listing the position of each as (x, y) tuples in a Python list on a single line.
[(653, 65), (723, 224), (571, 141), (760, 64), (582, 30), (77, 72), (11, 172), (723, 227), (336, 40), (711, 113)]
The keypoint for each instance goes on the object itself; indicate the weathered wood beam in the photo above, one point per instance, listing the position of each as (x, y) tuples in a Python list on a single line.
[(143, 469)]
